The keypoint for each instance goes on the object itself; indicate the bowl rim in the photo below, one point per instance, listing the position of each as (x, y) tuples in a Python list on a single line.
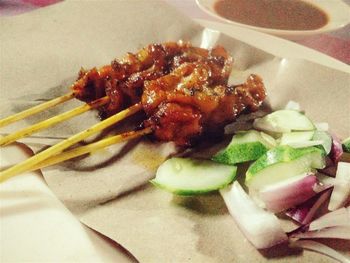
[(336, 19)]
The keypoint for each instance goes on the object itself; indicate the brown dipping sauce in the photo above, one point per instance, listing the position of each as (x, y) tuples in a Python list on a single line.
[(276, 14)]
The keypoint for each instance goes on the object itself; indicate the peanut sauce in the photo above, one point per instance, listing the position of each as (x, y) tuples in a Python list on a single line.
[(276, 14)]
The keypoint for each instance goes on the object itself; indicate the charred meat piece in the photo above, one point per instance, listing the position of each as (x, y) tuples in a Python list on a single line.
[(176, 122), (183, 90), (123, 80), (188, 104)]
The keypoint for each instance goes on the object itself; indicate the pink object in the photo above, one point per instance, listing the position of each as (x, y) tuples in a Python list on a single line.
[(16, 7), (41, 3), (290, 193), (337, 149), (305, 212)]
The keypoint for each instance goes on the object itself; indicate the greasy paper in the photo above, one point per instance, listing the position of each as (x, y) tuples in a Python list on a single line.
[(42, 52)]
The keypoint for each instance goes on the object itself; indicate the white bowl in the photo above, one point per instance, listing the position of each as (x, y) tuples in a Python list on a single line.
[(338, 16)]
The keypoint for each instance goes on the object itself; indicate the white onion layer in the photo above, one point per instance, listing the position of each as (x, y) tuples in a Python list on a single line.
[(341, 232), (321, 248), (340, 217), (260, 227), (341, 190)]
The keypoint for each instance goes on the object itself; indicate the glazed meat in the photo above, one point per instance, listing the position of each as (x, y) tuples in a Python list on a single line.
[(187, 104), (123, 80), (183, 90)]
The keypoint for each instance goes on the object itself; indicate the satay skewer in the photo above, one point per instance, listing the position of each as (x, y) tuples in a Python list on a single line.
[(178, 110), (59, 147), (142, 59), (36, 109), (52, 121)]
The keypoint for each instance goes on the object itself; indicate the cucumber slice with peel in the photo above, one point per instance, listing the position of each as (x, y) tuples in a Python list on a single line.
[(307, 139), (346, 145), (239, 153), (325, 138), (185, 176), (304, 144), (284, 121), (269, 139), (254, 136), (295, 137), (283, 162), (245, 146)]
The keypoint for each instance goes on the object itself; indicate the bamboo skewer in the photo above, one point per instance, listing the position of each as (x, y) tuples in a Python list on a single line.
[(55, 149), (52, 121), (46, 105), (90, 148)]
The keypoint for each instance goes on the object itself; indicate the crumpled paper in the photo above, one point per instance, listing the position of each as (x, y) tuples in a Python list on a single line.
[(42, 51)]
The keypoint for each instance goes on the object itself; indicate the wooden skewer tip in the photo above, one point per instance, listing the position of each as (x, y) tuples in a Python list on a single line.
[(52, 121), (38, 108)]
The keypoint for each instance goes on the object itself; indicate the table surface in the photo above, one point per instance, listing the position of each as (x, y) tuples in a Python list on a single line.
[(335, 44)]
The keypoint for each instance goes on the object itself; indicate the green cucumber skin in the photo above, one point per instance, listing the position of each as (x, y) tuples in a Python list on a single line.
[(239, 153), (278, 155), (194, 169), (346, 145), (192, 192)]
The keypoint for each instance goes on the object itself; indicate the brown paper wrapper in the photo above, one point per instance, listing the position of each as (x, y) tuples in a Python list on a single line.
[(109, 191)]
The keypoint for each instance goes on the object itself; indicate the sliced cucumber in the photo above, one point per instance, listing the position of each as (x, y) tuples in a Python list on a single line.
[(239, 153), (325, 138), (295, 137), (269, 139), (305, 144), (281, 163), (245, 146), (284, 121), (185, 176), (307, 139), (346, 145)]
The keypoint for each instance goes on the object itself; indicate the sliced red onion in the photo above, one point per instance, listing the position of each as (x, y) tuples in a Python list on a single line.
[(329, 162), (260, 227), (291, 192), (321, 248), (340, 217), (341, 191), (337, 149), (341, 232), (305, 212), (331, 170)]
